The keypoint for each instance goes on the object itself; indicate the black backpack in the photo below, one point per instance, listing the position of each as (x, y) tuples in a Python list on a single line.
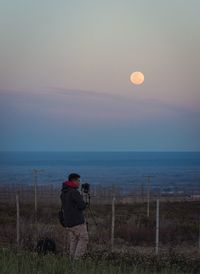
[(46, 245), (61, 216)]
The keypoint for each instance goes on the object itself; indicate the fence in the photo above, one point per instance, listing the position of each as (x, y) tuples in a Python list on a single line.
[(139, 217)]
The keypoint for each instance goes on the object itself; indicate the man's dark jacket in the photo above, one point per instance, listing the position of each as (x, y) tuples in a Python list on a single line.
[(73, 206)]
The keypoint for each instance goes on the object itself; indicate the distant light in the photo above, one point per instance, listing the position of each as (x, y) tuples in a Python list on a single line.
[(137, 78)]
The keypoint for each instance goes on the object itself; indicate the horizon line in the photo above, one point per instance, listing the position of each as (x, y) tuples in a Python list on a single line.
[(99, 151)]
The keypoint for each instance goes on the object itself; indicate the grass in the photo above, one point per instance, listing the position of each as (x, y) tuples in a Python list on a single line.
[(24, 262), (179, 223), (134, 237)]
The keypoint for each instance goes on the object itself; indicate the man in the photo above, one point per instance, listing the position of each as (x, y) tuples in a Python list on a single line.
[(73, 206)]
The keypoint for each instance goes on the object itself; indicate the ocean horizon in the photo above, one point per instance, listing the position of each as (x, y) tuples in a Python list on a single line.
[(170, 170)]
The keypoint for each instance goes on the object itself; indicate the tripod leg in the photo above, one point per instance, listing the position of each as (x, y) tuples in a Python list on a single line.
[(93, 217)]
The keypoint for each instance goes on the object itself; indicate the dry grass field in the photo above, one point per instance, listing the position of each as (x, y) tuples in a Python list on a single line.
[(134, 235)]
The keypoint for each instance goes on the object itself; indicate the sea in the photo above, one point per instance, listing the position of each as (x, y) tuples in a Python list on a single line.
[(172, 171)]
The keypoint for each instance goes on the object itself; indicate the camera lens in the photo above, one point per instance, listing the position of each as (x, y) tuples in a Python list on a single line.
[(85, 188)]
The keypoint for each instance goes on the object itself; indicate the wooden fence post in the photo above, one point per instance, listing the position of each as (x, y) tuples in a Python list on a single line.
[(35, 171), (199, 234), (17, 219), (157, 224), (113, 224)]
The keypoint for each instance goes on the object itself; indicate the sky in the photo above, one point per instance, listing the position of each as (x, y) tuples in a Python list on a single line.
[(65, 68)]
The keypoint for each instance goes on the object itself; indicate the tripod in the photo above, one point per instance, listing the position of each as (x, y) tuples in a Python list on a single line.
[(86, 197)]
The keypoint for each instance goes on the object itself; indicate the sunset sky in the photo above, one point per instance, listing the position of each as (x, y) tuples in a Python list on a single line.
[(65, 69)]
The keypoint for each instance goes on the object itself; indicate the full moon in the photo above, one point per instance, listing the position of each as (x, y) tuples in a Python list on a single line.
[(137, 78)]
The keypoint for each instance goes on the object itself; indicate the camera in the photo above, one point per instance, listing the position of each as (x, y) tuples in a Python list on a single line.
[(85, 188)]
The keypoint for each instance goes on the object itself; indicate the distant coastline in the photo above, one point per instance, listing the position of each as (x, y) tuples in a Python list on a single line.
[(174, 171)]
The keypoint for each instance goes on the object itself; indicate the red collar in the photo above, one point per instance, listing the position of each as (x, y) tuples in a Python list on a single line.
[(70, 184)]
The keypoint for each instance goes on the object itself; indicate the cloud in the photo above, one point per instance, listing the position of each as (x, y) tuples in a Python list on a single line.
[(133, 100), (53, 98), (49, 113)]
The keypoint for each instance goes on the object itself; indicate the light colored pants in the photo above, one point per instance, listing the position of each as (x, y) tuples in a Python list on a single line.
[(78, 240)]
